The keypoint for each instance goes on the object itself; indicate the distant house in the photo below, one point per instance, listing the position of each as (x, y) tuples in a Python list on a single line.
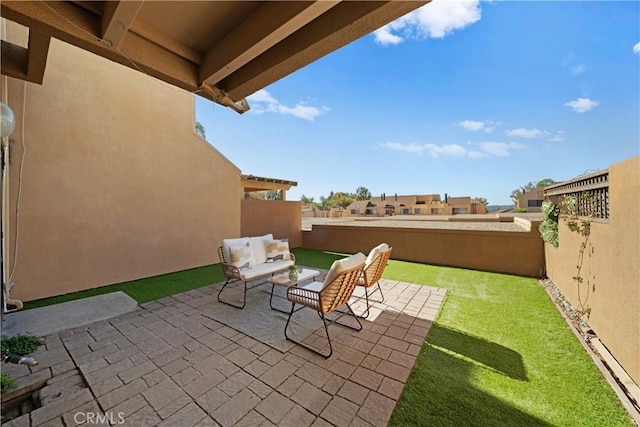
[(426, 204), (531, 200)]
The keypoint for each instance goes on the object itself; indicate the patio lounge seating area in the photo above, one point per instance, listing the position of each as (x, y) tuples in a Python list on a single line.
[(497, 352)]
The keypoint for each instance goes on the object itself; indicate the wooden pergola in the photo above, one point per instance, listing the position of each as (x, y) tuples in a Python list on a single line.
[(252, 184)]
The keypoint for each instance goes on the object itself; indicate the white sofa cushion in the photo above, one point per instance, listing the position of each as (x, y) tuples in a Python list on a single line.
[(264, 269), (342, 265), (277, 250), (240, 256), (258, 248), (382, 247)]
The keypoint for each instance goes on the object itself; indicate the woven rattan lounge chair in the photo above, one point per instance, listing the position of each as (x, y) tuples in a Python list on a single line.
[(373, 268), (327, 296)]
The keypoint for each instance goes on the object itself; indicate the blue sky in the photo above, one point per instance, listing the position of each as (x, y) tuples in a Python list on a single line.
[(460, 97)]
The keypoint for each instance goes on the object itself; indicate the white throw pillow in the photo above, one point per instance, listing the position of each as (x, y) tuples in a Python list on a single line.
[(226, 243), (342, 265), (277, 250), (240, 256), (258, 248), (382, 247)]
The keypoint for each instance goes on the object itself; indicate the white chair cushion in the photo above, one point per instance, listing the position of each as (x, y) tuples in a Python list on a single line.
[(313, 286), (342, 265), (258, 248), (264, 269), (240, 256), (277, 250), (241, 241), (382, 247)]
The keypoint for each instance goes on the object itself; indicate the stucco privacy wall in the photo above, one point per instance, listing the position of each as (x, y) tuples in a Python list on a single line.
[(115, 184), (505, 252), (611, 267), (281, 218)]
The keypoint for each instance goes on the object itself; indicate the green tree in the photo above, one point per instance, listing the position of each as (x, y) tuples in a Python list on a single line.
[(263, 195), (200, 130), (362, 193), (256, 195), (545, 182), (325, 203), (341, 199), (271, 194), (515, 194), (482, 200), (310, 200)]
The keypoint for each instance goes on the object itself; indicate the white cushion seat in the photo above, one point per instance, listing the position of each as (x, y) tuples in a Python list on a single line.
[(264, 269)]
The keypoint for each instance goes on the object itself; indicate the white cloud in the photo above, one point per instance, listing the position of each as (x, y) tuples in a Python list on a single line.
[(558, 137), (500, 149), (578, 69), (475, 126), (636, 48), (409, 148), (446, 150), (262, 102), (432, 149), (385, 37), (496, 149), (525, 133), (477, 154), (582, 105), (436, 20), (471, 125)]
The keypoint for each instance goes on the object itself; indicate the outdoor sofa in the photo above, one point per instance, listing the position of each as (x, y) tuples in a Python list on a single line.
[(250, 258)]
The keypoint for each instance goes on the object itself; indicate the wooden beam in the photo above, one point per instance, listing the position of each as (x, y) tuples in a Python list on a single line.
[(160, 38), (116, 19), (339, 26), (82, 28), (26, 63), (267, 26), (15, 60), (38, 52)]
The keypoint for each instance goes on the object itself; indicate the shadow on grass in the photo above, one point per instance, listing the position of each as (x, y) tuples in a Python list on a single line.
[(439, 390), (493, 356)]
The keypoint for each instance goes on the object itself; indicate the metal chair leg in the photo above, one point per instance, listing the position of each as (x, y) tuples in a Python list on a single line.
[(366, 297), (326, 330), (244, 299)]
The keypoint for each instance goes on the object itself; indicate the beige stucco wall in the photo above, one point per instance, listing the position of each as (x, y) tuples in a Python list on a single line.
[(611, 267), (281, 218), (115, 184), (505, 252)]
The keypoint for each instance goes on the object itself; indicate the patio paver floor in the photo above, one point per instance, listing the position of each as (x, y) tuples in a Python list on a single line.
[(167, 364)]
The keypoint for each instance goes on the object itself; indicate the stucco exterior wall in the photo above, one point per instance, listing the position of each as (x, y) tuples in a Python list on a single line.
[(281, 218), (535, 194), (518, 253), (610, 268), (115, 184)]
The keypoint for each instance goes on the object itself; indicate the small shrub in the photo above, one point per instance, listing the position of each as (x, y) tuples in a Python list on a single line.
[(8, 383), (549, 226), (21, 344), (520, 210)]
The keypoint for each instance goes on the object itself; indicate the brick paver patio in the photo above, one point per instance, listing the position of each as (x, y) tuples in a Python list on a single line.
[(168, 365)]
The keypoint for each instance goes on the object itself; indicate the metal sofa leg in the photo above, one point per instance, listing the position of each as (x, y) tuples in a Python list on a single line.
[(244, 299)]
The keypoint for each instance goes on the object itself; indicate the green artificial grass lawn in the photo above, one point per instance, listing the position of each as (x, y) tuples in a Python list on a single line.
[(147, 289), (499, 353)]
